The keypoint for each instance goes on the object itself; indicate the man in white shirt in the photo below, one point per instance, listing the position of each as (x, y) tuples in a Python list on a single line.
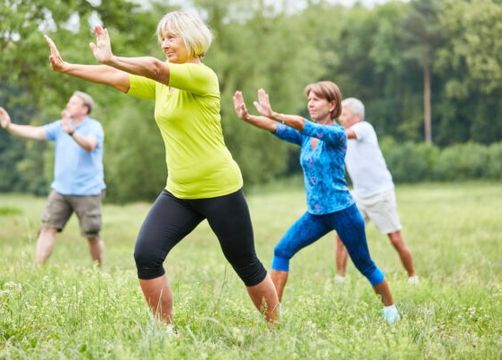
[(373, 187)]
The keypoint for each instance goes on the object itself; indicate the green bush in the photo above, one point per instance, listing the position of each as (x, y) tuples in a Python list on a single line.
[(462, 162), (493, 169), (409, 162)]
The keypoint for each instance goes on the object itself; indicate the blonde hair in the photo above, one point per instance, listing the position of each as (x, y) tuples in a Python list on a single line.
[(86, 99), (190, 28), (327, 90)]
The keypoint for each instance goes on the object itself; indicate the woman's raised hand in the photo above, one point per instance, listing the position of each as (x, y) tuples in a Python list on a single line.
[(102, 48), (55, 58), (263, 104), (240, 106)]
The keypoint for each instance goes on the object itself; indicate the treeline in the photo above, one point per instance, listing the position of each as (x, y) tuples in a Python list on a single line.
[(429, 72), (411, 162)]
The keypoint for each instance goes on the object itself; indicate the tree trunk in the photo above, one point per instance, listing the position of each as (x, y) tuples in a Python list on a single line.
[(427, 103)]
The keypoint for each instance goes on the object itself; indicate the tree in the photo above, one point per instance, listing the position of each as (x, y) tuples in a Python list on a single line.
[(421, 36), (470, 63)]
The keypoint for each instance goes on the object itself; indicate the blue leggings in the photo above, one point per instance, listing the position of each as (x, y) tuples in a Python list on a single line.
[(349, 225)]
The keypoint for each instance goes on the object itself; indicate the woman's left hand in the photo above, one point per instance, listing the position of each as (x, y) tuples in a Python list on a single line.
[(263, 104), (102, 49)]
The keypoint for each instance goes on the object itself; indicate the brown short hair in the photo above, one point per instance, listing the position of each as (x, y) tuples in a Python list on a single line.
[(327, 90)]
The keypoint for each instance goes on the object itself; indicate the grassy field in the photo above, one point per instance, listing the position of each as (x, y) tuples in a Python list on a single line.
[(70, 309)]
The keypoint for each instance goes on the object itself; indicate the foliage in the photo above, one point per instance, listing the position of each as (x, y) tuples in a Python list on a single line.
[(461, 162), (134, 143), (410, 162), (494, 165), (376, 54)]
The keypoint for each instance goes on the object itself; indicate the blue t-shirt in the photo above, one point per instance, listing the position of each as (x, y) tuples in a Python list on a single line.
[(77, 171), (323, 166)]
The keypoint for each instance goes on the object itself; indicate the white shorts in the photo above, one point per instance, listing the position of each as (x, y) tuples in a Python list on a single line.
[(381, 209)]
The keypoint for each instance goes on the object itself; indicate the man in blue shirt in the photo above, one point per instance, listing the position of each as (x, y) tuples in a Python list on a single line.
[(78, 173)]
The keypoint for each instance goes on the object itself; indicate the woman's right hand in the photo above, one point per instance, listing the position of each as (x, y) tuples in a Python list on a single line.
[(55, 58), (240, 106)]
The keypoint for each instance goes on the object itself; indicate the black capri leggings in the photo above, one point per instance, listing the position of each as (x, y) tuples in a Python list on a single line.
[(171, 219)]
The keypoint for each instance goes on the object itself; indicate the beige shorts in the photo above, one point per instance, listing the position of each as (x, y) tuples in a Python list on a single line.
[(60, 207), (381, 209)]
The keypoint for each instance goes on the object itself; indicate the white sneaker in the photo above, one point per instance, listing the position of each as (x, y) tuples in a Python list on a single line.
[(390, 314), (413, 280), (339, 279)]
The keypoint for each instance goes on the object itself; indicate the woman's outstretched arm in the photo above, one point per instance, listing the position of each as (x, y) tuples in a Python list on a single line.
[(263, 106), (146, 66), (241, 110), (100, 74)]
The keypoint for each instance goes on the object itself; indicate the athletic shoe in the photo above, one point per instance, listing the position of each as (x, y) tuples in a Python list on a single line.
[(339, 279), (390, 314), (413, 280)]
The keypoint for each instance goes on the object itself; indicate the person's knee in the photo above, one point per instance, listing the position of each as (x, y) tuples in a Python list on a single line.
[(48, 230), (397, 241), (249, 269), (148, 263), (371, 272), (283, 251)]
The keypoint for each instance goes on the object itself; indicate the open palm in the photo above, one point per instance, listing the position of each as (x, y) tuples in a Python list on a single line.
[(239, 105), (55, 58), (263, 104), (102, 48)]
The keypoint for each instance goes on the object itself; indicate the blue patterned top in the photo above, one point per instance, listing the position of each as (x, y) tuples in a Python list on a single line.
[(323, 166)]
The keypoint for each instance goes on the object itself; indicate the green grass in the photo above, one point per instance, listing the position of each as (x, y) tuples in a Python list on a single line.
[(70, 309)]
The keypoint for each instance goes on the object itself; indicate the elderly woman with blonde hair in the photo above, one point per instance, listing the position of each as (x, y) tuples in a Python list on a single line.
[(204, 182)]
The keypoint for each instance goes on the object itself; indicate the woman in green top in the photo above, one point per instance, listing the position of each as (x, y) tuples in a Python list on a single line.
[(204, 182)]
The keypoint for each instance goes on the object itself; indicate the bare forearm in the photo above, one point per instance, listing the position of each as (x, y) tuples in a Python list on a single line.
[(88, 144), (27, 131), (101, 74), (146, 66)]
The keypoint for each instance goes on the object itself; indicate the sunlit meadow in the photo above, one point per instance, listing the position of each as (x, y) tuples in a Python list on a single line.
[(70, 309)]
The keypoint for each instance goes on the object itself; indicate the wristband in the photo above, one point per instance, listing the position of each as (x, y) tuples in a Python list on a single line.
[(71, 133)]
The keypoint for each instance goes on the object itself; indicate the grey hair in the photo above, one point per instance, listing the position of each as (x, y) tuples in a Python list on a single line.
[(87, 99), (190, 27), (355, 105)]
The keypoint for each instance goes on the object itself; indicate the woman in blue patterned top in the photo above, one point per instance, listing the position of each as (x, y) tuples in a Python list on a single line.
[(329, 204)]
